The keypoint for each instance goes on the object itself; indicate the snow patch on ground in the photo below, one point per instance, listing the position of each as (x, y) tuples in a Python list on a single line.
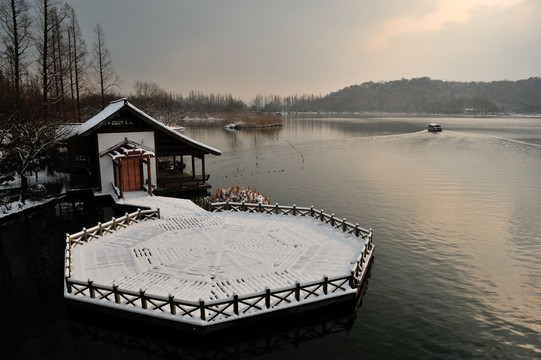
[(17, 206), (169, 207), (43, 177)]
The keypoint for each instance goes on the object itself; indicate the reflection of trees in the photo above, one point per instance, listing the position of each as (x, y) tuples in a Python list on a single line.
[(267, 133), (251, 135)]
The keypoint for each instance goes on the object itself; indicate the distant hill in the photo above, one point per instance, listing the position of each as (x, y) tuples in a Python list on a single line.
[(427, 96)]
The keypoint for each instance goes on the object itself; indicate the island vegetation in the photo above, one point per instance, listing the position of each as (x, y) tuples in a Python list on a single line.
[(235, 194)]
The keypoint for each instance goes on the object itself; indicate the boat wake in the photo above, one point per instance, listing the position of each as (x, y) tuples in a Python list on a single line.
[(516, 141)]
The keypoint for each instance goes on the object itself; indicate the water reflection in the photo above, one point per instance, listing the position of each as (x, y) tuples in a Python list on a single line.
[(111, 342), (454, 216), (456, 225)]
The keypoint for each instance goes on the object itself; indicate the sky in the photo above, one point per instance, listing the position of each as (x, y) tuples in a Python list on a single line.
[(286, 47)]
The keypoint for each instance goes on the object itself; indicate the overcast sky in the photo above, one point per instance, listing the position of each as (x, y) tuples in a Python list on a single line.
[(287, 47)]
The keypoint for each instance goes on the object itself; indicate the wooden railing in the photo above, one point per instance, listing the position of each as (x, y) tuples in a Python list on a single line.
[(207, 312), (330, 219), (216, 310), (99, 230)]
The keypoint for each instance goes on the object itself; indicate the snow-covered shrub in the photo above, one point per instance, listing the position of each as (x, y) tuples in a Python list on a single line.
[(7, 178), (235, 194), (37, 192), (5, 204)]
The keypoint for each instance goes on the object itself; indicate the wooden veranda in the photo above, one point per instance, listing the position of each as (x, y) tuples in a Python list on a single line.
[(173, 176)]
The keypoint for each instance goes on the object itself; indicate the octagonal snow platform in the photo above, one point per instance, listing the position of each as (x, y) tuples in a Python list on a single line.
[(205, 271)]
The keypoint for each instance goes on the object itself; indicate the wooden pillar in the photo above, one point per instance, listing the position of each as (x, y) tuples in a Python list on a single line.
[(115, 175), (149, 177), (120, 187), (117, 167), (142, 161), (193, 167), (203, 167)]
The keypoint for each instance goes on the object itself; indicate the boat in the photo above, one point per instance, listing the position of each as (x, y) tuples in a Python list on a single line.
[(233, 126), (434, 127)]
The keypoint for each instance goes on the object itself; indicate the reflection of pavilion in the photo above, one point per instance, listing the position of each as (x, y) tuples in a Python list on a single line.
[(124, 149)]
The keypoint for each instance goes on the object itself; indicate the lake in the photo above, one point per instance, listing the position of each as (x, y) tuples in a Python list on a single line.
[(456, 225)]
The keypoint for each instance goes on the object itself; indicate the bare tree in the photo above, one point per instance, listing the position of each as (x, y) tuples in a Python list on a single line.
[(147, 90), (15, 23), (234, 106), (105, 73), (48, 20), (257, 103), (31, 132), (31, 137), (151, 98), (77, 63), (58, 59)]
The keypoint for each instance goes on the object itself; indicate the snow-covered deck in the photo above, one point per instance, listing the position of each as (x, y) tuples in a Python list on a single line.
[(237, 263)]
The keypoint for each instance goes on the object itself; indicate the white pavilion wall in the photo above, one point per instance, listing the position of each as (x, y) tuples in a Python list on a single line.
[(106, 141)]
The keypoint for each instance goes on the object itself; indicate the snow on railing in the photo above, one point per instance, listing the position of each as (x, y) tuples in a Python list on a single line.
[(207, 312), (341, 224), (99, 230)]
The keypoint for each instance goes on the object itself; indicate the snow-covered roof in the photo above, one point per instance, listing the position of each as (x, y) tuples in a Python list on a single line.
[(118, 105), (102, 116), (127, 148)]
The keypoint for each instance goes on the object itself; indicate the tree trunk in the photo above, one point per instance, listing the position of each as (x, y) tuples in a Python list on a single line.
[(24, 187)]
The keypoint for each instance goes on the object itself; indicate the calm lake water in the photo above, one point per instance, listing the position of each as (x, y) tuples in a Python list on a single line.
[(456, 220)]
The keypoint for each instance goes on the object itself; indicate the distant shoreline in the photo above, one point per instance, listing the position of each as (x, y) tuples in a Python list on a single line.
[(387, 115), (237, 121)]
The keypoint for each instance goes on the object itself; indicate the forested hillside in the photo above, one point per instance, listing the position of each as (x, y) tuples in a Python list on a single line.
[(424, 96)]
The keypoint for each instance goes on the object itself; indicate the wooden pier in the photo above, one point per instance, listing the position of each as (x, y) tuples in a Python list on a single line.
[(205, 271)]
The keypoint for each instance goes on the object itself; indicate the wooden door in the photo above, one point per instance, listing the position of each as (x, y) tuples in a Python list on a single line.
[(131, 174)]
